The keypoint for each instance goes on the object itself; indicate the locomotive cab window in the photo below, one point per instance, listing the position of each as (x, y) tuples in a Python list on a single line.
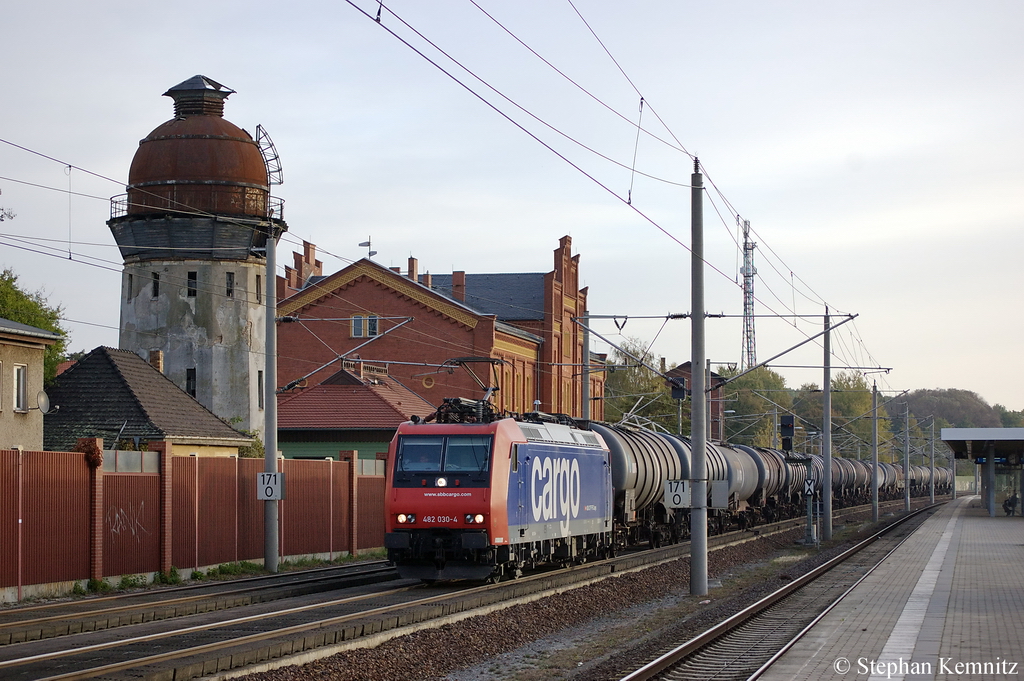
[(421, 454), (466, 457)]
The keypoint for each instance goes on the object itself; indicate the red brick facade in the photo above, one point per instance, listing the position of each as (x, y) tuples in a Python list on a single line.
[(418, 329)]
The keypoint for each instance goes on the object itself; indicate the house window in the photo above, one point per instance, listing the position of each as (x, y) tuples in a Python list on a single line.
[(259, 388), (365, 327), (229, 285), (259, 288), (190, 382), (193, 280), (156, 284), (20, 387)]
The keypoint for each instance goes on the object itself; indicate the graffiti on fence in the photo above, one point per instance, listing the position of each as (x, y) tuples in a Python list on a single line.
[(127, 521)]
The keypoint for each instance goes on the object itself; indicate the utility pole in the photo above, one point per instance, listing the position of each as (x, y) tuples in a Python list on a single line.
[(585, 387), (826, 436), (874, 451), (271, 551), (698, 404), (932, 490), (906, 458)]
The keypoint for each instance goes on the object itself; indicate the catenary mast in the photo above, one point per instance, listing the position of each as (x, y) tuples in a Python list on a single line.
[(749, 358)]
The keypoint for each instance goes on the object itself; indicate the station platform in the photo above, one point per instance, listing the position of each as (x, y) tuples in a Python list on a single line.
[(947, 604)]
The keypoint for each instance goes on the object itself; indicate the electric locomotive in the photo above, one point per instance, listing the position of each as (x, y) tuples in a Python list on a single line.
[(477, 496)]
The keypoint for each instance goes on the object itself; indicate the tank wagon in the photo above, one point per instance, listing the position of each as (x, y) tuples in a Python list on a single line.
[(475, 494)]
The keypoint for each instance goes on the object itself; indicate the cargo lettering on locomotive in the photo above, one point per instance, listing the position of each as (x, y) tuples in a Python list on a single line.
[(555, 490)]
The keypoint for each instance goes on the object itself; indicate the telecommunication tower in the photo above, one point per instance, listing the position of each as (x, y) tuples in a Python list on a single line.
[(749, 357)]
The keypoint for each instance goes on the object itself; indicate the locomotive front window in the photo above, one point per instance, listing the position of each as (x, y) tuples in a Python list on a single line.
[(467, 453), (421, 454)]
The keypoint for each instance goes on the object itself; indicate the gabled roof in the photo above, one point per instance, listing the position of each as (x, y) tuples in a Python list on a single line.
[(344, 406), (367, 268), (108, 387), (509, 296)]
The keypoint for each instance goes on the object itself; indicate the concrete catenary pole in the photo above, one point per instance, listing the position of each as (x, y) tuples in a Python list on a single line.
[(874, 451), (698, 436), (906, 458), (826, 436), (931, 493), (271, 553)]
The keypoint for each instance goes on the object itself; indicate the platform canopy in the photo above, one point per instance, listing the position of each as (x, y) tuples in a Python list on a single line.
[(970, 443)]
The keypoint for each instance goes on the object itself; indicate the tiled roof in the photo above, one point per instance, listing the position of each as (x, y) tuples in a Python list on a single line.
[(511, 297), (108, 387), (349, 407)]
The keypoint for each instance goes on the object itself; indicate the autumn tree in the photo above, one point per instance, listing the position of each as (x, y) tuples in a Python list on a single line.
[(756, 398), (636, 394)]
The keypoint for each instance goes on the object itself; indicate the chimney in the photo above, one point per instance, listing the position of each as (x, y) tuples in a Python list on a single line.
[(428, 281), (459, 286), (414, 270), (396, 270), (156, 360)]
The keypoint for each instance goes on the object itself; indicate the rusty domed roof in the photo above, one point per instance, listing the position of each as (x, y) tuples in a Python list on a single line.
[(198, 162)]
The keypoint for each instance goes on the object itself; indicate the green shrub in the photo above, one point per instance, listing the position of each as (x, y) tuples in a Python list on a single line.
[(98, 586)]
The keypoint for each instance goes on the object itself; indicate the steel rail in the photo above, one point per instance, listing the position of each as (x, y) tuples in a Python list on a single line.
[(162, 603), (185, 587), (664, 662)]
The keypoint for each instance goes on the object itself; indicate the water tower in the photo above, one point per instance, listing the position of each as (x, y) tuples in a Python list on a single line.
[(192, 230)]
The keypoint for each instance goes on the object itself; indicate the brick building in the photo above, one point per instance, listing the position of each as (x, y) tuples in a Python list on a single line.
[(431, 332)]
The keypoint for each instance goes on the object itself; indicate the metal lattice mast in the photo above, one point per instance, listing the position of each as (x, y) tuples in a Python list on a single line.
[(749, 358)]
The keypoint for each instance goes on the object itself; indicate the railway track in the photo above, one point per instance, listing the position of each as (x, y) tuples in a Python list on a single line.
[(743, 645), (199, 640)]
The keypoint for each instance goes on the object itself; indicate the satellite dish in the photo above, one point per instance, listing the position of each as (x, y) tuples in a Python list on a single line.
[(43, 402)]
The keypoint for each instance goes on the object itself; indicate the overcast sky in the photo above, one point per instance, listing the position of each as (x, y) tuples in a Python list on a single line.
[(875, 148)]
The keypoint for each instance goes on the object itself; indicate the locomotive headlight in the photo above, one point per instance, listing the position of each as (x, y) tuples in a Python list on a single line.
[(477, 519), (441, 482), (404, 518)]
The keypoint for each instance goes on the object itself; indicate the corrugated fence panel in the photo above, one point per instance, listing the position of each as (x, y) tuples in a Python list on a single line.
[(250, 511), (131, 523), (370, 534), (305, 512), (183, 511), (55, 504), (218, 533), (8, 518), (341, 506)]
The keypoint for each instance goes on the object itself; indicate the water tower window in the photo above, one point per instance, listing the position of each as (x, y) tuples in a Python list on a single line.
[(259, 288), (259, 389), (193, 281), (128, 291), (156, 284), (229, 286), (190, 382)]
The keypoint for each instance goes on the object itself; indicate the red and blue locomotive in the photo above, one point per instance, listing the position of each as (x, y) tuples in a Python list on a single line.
[(476, 496)]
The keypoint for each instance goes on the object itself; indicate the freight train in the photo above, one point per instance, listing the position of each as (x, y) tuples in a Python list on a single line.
[(474, 494)]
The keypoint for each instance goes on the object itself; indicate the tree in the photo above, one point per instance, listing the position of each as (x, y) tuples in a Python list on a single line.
[(1009, 419), (851, 415), (635, 394), (756, 398), (33, 309)]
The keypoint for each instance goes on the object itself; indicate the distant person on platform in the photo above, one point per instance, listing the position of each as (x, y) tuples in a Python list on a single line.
[(1011, 504)]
